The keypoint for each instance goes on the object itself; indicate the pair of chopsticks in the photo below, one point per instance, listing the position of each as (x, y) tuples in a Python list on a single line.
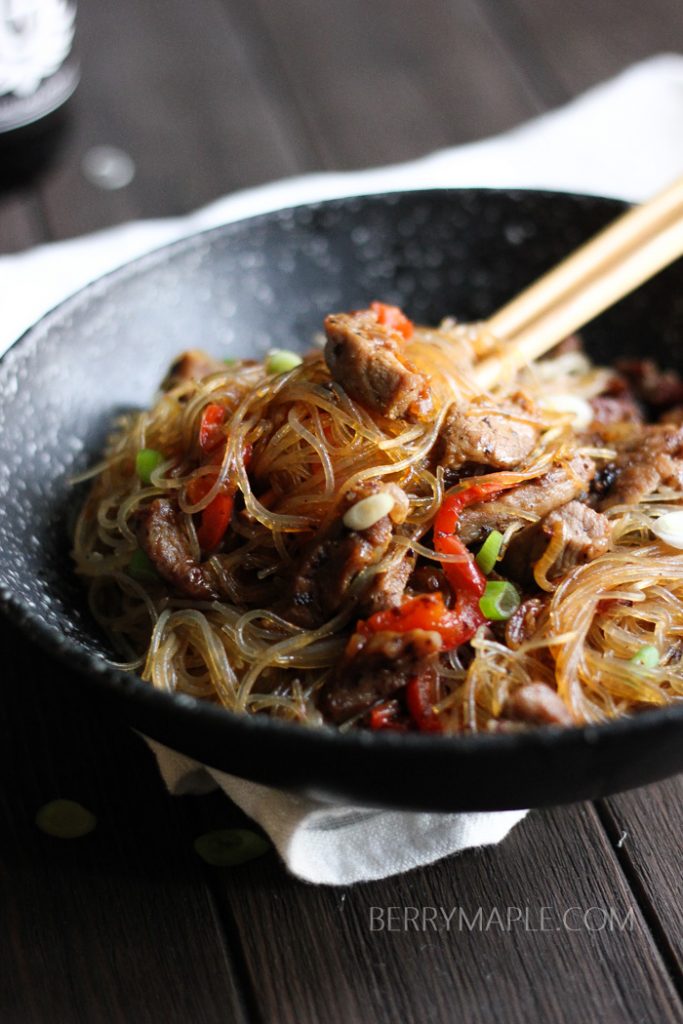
[(623, 256)]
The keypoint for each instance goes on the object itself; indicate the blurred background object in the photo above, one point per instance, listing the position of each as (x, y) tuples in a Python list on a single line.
[(38, 75), (215, 95)]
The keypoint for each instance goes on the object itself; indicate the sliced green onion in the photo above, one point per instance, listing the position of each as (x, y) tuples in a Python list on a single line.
[(65, 819), (500, 600), (280, 360), (647, 656), (487, 555), (146, 461), (227, 847), (142, 568), (230, 361)]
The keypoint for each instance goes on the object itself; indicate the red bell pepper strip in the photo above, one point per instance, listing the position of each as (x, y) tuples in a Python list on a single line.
[(394, 318), (215, 518), (419, 703), (455, 625), (387, 716), (215, 521), (428, 612), (210, 433), (465, 575), (199, 487)]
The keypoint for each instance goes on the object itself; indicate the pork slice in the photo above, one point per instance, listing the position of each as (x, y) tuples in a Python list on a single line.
[(331, 561), (164, 541), (524, 622), (657, 388), (536, 498), (430, 579), (536, 704), (191, 365), (329, 567), (382, 666), (585, 535), (499, 438), (364, 356), (387, 589), (649, 457), (673, 415), (609, 409)]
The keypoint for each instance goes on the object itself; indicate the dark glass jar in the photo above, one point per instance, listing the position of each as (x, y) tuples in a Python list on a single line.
[(38, 75)]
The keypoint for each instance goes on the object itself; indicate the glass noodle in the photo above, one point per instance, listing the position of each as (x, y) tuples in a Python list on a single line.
[(296, 444)]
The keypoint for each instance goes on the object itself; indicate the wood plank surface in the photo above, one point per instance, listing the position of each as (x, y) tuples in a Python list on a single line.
[(389, 81), (588, 956), (119, 925), (646, 829), (174, 90), (568, 47), (127, 925)]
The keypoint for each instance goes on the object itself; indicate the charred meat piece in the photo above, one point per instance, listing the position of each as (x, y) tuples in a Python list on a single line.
[(191, 365), (535, 498), (364, 356), (162, 538), (379, 668), (331, 562), (673, 415), (615, 404), (585, 535), (523, 623), (657, 388), (328, 568), (429, 579), (608, 409), (387, 589), (650, 456), (536, 704), (499, 438)]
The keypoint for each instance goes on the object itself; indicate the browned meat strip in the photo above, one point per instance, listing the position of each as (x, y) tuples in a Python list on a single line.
[(673, 415), (585, 535), (537, 704), (328, 569), (162, 538), (191, 365), (429, 579), (382, 666), (386, 589), (331, 562), (365, 357), (523, 623), (651, 456), (655, 387), (608, 409), (499, 437), (537, 497)]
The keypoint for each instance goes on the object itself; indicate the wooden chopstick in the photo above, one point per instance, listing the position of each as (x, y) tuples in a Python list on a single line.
[(625, 233), (609, 283)]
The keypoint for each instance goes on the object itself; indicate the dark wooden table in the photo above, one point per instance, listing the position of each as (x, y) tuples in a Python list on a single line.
[(128, 925)]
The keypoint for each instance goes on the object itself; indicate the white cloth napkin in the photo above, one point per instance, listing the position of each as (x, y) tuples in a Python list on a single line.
[(624, 139)]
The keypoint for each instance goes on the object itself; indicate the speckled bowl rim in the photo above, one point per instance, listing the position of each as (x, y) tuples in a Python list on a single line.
[(173, 707)]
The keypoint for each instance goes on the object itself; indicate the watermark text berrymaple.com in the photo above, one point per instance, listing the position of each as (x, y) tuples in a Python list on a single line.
[(502, 919)]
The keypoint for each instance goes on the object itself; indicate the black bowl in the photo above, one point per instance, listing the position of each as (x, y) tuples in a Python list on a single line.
[(267, 282)]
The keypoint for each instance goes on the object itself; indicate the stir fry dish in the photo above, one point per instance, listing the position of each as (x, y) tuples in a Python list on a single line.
[(360, 538)]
